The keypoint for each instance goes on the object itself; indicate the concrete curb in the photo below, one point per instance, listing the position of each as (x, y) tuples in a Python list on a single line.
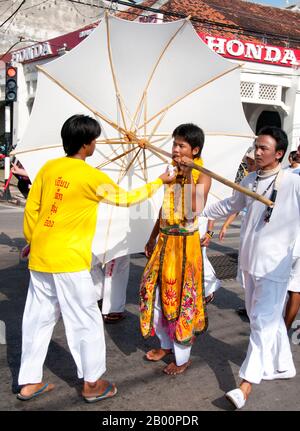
[(17, 202)]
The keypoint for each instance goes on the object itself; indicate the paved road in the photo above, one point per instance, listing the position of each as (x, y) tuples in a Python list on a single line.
[(216, 356)]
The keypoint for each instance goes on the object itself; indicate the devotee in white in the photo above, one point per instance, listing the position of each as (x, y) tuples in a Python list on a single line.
[(293, 303), (111, 286), (266, 253)]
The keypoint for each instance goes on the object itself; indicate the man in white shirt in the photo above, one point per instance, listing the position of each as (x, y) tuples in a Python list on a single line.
[(266, 253), (111, 286), (294, 160), (293, 303)]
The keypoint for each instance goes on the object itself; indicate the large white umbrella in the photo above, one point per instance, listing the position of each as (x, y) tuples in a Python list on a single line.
[(140, 81)]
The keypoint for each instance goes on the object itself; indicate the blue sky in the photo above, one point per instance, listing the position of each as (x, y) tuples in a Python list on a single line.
[(278, 3)]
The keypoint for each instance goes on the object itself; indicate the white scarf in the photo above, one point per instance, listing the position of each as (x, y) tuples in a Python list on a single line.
[(268, 173)]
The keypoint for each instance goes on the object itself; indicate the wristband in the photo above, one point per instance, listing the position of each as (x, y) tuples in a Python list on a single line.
[(210, 233)]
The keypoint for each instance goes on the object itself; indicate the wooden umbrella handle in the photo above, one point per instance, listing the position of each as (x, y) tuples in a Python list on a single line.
[(217, 177), (234, 186)]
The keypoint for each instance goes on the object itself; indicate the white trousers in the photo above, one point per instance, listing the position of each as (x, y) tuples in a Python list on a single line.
[(182, 353), (269, 348), (211, 282), (111, 284), (294, 281), (73, 296)]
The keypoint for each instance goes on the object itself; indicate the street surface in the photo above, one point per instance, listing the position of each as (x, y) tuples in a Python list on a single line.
[(142, 386)]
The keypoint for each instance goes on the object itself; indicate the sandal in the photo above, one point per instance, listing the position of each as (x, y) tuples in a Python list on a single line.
[(113, 317), (210, 298), (45, 388), (109, 392)]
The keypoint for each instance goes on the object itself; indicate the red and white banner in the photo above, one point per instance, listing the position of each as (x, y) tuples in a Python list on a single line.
[(255, 52), (230, 48)]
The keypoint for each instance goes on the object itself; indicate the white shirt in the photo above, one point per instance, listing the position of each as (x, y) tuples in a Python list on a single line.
[(295, 170), (296, 251), (266, 248)]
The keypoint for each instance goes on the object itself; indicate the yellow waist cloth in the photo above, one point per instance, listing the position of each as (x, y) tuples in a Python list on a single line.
[(176, 268)]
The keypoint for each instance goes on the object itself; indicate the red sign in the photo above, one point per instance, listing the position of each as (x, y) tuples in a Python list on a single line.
[(230, 48), (255, 52), (50, 48)]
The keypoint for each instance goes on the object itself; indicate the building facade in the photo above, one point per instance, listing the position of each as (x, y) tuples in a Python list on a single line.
[(270, 75)]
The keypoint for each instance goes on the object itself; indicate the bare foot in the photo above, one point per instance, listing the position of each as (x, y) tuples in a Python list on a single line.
[(157, 354), (32, 390), (96, 389), (246, 388), (172, 369)]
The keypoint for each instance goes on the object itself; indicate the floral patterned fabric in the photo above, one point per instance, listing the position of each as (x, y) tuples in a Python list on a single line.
[(176, 268)]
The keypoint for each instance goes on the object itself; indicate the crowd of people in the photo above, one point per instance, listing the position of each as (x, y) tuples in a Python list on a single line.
[(178, 281)]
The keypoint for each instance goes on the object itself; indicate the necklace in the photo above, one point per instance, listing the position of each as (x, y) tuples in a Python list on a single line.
[(276, 181)]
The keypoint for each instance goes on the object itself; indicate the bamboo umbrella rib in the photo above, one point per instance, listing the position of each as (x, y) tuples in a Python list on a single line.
[(158, 140), (62, 86), (109, 222), (29, 150), (121, 176), (157, 124), (116, 158), (115, 152), (110, 141), (161, 134), (142, 166), (120, 101), (158, 155), (145, 165), (99, 152), (235, 135), (144, 95), (131, 163), (190, 92)]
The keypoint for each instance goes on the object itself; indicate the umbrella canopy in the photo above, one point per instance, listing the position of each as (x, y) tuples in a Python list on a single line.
[(140, 81)]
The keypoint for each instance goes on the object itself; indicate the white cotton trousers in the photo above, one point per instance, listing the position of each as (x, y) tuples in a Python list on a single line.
[(73, 296), (210, 281), (294, 281), (111, 284), (182, 353), (269, 348)]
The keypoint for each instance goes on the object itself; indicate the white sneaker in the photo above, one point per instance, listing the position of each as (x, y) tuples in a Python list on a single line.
[(236, 397), (289, 374)]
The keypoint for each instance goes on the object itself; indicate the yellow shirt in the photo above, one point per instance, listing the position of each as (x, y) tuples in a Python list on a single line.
[(61, 213)]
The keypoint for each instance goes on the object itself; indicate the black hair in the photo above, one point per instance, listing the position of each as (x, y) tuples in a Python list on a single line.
[(77, 131), (279, 135), (293, 155), (191, 134)]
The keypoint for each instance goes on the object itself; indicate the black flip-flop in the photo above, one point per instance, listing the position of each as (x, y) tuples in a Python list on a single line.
[(113, 317)]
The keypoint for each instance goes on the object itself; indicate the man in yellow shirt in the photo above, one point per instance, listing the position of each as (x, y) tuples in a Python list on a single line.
[(59, 225)]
